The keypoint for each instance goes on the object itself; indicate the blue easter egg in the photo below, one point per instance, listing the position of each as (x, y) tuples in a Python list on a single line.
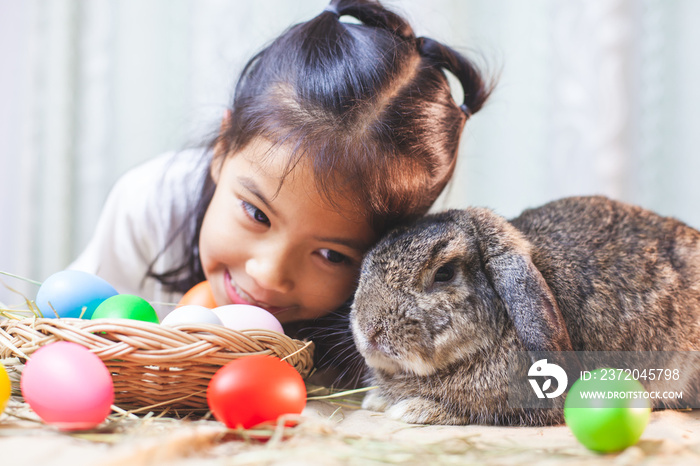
[(69, 291)]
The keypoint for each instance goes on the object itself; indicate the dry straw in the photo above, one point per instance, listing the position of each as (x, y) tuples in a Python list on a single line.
[(152, 366)]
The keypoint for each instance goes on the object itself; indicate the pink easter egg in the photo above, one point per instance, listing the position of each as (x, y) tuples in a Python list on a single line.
[(247, 317), (68, 386)]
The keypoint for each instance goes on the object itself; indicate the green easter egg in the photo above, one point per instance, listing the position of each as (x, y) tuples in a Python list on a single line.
[(126, 306), (607, 413)]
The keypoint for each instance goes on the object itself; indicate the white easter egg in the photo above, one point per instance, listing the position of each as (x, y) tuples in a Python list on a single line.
[(191, 314), (246, 317)]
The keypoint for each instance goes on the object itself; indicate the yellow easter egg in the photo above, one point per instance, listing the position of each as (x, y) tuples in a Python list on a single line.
[(4, 388)]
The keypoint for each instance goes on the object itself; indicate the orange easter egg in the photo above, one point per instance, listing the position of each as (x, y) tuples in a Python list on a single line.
[(200, 294)]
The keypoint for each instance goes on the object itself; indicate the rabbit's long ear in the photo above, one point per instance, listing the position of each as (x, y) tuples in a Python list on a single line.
[(529, 302), (528, 299)]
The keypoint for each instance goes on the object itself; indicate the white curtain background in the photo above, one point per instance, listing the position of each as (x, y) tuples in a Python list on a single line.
[(594, 97)]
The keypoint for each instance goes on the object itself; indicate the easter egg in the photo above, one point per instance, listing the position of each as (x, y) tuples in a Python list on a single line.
[(68, 292), (5, 390), (607, 424), (191, 314), (126, 306), (68, 386), (200, 294), (255, 389), (246, 317)]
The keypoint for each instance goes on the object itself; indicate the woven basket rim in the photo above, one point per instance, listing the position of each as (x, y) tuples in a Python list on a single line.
[(146, 337)]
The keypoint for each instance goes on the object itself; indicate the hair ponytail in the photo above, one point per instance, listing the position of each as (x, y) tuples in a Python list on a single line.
[(373, 14), (475, 91)]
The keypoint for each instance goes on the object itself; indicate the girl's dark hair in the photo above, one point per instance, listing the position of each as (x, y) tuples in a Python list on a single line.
[(367, 106)]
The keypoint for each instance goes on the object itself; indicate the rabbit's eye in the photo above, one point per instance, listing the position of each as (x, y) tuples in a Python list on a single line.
[(445, 273)]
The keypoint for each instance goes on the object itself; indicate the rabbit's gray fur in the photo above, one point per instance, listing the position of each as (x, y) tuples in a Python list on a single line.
[(577, 274)]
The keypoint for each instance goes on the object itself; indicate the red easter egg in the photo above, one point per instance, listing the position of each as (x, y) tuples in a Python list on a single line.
[(200, 294), (255, 389)]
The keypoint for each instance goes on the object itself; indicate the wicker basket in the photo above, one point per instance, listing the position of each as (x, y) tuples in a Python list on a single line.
[(152, 366)]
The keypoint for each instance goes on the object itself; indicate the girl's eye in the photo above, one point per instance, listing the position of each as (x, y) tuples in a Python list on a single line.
[(255, 213), (334, 257)]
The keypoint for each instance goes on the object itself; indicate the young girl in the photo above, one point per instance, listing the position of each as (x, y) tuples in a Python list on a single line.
[(337, 132)]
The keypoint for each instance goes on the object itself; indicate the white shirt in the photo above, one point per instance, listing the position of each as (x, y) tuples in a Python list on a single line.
[(143, 211)]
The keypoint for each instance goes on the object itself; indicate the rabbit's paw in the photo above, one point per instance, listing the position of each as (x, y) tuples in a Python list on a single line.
[(374, 401), (418, 411)]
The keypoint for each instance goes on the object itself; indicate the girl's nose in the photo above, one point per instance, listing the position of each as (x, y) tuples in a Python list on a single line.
[(269, 268)]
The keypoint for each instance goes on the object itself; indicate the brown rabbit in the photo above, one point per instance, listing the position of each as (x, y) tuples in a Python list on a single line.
[(443, 304)]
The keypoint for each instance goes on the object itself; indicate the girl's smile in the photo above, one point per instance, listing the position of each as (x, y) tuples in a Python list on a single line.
[(280, 247), (238, 296)]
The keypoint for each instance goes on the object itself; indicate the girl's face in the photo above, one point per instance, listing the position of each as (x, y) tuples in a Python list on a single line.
[(288, 251)]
